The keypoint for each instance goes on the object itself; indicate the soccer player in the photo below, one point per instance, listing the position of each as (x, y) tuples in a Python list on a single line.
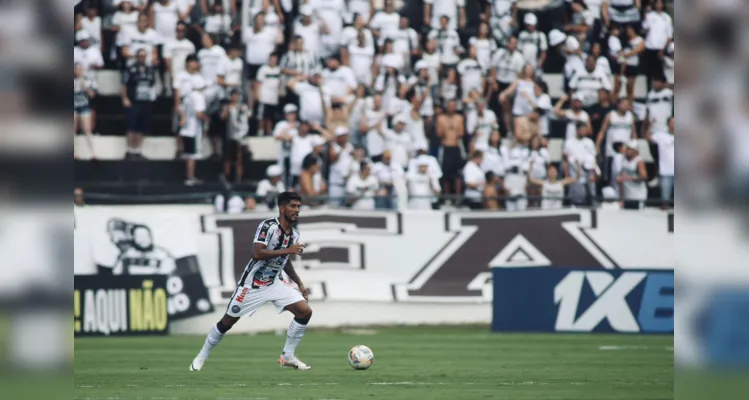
[(275, 240)]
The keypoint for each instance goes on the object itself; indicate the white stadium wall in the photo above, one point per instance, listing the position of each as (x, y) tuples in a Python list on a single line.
[(370, 268)]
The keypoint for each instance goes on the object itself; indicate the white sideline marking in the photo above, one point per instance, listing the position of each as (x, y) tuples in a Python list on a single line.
[(306, 384), (635, 348)]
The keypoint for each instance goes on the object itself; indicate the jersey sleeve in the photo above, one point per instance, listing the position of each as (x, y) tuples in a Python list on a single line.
[(264, 232)]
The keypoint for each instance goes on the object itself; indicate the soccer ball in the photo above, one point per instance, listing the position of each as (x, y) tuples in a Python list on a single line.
[(360, 357)]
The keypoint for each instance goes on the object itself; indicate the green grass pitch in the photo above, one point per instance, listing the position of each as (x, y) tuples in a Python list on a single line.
[(416, 363)]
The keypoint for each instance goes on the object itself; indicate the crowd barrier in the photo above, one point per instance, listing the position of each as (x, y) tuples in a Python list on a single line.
[(378, 267)]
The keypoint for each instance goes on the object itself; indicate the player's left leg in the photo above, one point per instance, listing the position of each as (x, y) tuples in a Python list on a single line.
[(289, 299)]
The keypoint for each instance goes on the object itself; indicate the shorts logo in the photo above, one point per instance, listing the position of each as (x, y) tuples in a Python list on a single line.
[(240, 298), (235, 309)]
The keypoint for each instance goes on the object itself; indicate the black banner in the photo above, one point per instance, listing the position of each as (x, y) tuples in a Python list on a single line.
[(120, 305)]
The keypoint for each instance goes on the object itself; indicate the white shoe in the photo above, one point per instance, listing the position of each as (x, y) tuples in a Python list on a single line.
[(197, 364), (291, 361), (653, 183)]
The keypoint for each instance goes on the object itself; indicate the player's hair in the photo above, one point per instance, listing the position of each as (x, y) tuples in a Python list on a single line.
[(286, 198)]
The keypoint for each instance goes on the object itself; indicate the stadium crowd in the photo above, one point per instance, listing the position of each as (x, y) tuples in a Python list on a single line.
[(365, 107)]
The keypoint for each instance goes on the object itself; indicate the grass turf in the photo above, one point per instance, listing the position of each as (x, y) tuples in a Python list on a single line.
[(410, 363)]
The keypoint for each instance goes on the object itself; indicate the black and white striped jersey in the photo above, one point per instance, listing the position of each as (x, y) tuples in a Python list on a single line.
[(259, 273)]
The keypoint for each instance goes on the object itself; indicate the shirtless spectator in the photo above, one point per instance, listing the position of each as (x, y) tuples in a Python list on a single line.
[(450, 131)]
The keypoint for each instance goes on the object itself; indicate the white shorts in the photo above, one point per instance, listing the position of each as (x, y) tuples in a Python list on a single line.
[(247, 300)]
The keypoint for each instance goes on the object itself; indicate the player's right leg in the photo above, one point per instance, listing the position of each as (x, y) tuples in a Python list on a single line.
[(243, 302)]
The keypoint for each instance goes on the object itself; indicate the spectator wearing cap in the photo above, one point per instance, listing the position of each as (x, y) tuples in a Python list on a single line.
[(142, 38), (88, 56), (532, 43), (268, 91), (138, 93), (422, 186), (632, 179), (313, 97), (175, 52), (310, 29), (448, 43), (362, 188), (574, 59), (284, 133), (398, 140), (572, 115), (236, 116), (339, 158), (421, 154), (193, 120), (269, 188), (260, 41), (384, 21)]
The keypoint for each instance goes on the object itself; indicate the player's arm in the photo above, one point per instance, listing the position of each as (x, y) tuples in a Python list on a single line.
[(260, 250), (291, 272)]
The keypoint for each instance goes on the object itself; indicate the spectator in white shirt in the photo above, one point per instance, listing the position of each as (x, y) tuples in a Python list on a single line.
[(339, 81), (448, 42), (260, 41), (666, 157), (397, 140), (340, 157), (542, 108), (454, 10), (175, 51), (579, 148), (388, 173), (359, 57), (142, 38), (89, 57), (572, 115), (421, 185), (164, 15), (218, 24), (485, 46), (91, 23), (364, 8), (313, 98), (660, 105), (362, 188), (523, 90), (660, 32), (405, 42), (507, 63), (480, 124), (268, 91), (471, 73), (301, 146), (630, 58), (372, 121), (589, 81), (474, 179), (236, 116), (284, 132), (385, 21), (350, 36), (330, 13), (230, 73), (234, 205), (124, 21), (212, 58), (532, 43), (551, 188), (632, 177), (420, 149), (310, 30)]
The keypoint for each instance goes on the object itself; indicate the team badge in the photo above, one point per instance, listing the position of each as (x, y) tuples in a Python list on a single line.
[(235, 309)]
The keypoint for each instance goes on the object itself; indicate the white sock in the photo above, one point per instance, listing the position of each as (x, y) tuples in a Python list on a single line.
[(293, 337), (212, 340)]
